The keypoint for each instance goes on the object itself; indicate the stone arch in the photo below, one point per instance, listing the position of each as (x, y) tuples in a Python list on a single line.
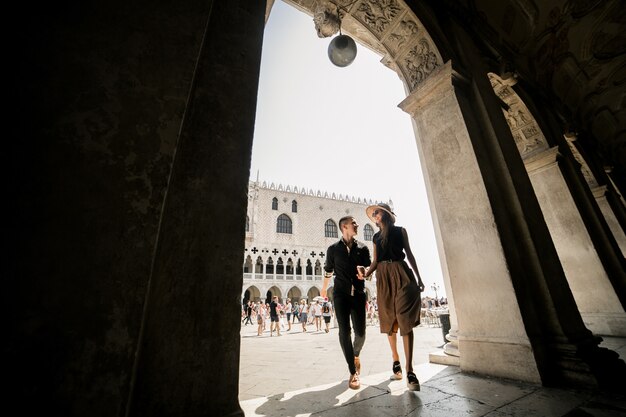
[(252, 293), (330, 294), (312, 293), (392, 30), (272, 291), (294, 293), (557, 204)]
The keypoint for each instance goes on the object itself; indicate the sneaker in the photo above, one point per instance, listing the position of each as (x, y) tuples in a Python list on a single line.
[(397, 371), (412, 382), (354, 382), (357, 364)]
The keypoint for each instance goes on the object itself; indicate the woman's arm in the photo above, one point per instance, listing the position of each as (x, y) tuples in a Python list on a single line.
[(411, 258), (370, 270)]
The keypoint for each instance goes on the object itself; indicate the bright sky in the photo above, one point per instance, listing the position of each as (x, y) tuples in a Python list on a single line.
[(339, 129)]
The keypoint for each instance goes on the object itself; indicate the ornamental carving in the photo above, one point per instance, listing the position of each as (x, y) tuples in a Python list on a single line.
[(516, 118), (404, 31), (326, 21), (504, 93), (584, 168), (420, 62), (377, 14), (526, 145)]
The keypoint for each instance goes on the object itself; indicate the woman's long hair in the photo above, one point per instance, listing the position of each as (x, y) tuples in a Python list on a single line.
[(386, 222)]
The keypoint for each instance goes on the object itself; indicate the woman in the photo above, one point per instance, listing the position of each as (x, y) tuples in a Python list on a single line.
[(398, 292)]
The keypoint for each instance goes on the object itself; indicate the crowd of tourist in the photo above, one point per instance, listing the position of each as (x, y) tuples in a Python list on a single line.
[(316, 314)]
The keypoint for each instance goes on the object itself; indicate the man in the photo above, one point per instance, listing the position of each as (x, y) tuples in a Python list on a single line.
[(274, 319), (343, 258)]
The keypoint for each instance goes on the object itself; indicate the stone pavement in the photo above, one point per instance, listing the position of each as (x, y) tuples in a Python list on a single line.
[(302, 374)]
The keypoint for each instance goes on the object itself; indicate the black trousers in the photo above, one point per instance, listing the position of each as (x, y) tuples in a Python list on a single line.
[(350, 308)]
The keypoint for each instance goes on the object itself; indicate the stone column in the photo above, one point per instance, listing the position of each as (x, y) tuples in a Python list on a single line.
[(188, 363), (599, 193), (493, 344), (595, 297)]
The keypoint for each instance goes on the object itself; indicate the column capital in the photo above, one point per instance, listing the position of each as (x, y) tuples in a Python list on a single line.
[(433, 88), (541, 160), (599, 191)]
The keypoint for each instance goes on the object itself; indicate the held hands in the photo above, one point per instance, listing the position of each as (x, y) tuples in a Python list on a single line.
[(360, 272)]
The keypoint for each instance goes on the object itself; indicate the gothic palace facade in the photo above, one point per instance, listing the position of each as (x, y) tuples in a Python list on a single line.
[(287, 233)]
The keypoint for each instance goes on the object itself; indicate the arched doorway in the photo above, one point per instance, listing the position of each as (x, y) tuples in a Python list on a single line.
[(273, 291), (294, 294), (251, 293), (312, 293)]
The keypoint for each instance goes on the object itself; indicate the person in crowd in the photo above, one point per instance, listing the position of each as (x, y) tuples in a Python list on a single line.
[(304, 310), (327, 313), (398, 290), (248, 319), (296, 311), (260, 318), (287, 310), (317, 311), (343, 259), (274, 317)]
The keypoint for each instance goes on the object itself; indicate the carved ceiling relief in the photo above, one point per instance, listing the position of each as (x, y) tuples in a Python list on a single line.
[(326, 21), (401, 35), (527, 135), (378, 14), (584, 168), (419, 62)]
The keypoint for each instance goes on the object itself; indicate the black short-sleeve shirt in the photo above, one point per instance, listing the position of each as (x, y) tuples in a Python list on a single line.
[(344, 263)]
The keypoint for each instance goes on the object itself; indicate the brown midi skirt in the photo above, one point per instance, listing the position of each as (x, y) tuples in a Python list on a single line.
[(399, 298)]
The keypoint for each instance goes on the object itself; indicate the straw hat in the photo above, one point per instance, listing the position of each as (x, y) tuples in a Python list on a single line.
[(382, 206)]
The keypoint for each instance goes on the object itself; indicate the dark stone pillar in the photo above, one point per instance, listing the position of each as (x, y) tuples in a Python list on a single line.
[(100, 91), (603, 239), (565, 351), (188, 363)]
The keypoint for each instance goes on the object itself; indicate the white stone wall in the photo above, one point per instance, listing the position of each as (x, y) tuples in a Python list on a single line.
[(307, 238)]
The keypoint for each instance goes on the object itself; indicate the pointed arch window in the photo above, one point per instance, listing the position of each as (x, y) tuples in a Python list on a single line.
[(368, 232), (247, 223), (330, 228), (294, 206), (283, 224), (247, 266), (274, 203), (318, 268)]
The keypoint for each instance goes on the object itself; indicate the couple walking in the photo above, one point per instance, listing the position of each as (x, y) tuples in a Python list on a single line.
[(398, 291)]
